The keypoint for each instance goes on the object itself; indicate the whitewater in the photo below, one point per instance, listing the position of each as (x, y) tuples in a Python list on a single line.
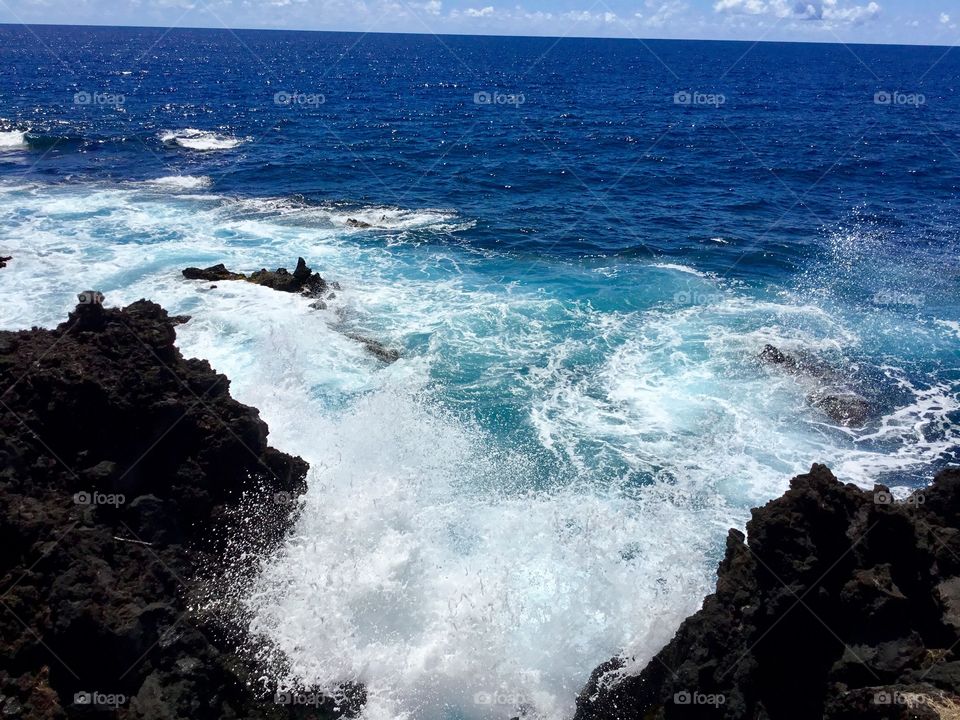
[(544, 479)]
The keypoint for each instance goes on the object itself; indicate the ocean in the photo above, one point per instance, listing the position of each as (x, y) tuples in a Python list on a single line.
[(579, 246)]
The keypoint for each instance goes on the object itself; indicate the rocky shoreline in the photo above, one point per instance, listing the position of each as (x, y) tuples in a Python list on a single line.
[(843, 604), (130, 475)]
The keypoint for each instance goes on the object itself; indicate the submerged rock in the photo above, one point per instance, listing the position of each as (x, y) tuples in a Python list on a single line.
[(354, 223), (127, 475), (376, 348), (843, 408), (803, 363), (4, 259), (844, 604), (838, 402)]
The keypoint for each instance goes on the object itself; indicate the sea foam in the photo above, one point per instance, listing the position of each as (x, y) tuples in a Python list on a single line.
[(181, 182), (202, 140), (13, 139), (534, 487)]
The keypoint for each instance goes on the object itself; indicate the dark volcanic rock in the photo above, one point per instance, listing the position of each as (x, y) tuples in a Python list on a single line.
[(354, 223), (844, 604), (4, 260), (212, 273), (125, 472), (302, 280)]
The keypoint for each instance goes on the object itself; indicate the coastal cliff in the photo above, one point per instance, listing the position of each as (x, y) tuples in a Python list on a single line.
[(127, 473), (839, 603)]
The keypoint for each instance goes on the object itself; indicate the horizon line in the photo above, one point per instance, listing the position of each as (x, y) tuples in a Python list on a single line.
[(221, 28)]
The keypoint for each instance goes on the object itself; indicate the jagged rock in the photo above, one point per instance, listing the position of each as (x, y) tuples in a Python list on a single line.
[(354, 223), (126, 473), (212, 273), (4, 259), (302, 280), (838, 607)]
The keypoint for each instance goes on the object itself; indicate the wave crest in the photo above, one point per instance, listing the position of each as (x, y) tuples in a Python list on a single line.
[(13, 139), (181, 182), (201, 140)]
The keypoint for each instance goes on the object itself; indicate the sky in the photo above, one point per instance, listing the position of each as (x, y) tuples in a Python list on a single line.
[(928, 22)]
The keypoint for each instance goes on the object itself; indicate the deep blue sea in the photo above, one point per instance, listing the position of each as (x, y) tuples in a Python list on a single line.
[(579, 246)]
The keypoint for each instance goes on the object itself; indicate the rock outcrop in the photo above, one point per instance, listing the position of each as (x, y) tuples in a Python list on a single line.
[(843, 604), (302, 280), (4, 259), (214, 273), (126, 473)]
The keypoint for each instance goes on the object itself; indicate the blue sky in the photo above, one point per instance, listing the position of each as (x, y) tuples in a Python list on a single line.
[(883, 21)]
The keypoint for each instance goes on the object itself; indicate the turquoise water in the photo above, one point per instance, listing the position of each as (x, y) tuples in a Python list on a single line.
[(579, 286)]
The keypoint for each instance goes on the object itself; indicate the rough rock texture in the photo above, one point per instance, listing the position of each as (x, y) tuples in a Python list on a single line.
[(123, 472), (845, 604), (302, 280), (4, 260), (213, 273)]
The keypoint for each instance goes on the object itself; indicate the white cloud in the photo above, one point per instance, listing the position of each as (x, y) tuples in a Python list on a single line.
[(660, 12), (482, 12), (776, 8), (826, 11), (944, 19)]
